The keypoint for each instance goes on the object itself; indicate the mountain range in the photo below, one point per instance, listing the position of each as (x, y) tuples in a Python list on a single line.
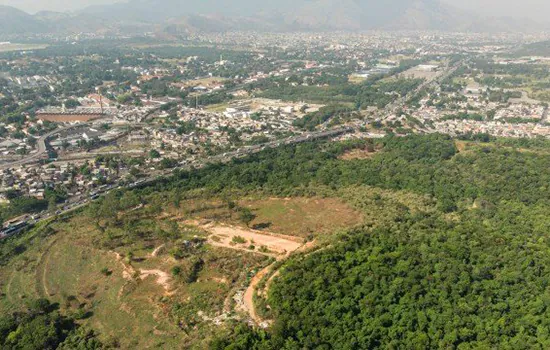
[(184, 16)]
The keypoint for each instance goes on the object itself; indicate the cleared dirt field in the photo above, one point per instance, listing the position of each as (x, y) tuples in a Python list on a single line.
[(278, 246), (298, 216), (233, 237)]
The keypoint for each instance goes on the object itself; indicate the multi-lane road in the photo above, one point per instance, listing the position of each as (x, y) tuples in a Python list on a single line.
[(401, 101), (80, 201), (42, 148)]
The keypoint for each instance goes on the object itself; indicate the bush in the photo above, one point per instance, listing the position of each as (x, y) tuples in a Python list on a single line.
[(238, 240)]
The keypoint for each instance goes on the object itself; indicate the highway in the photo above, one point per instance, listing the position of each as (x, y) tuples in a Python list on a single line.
[(401, 101), (81, 201), (42, 149)]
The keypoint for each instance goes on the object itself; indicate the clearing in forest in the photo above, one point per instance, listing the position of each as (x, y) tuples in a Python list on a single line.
[(237, 238), (297, 216), (302, 217), (358, 154)]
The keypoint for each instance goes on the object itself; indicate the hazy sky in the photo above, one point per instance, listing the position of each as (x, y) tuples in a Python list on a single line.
[(53, 5), (536, 9)]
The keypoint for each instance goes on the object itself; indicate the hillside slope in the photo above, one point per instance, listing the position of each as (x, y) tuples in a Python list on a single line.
[(14, 21)]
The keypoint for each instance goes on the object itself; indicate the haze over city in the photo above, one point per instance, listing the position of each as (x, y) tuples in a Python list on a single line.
[(534, 9)]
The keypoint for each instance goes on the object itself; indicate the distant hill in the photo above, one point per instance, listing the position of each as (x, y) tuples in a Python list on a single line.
[(182, 16), (14, 21), (305, 15)]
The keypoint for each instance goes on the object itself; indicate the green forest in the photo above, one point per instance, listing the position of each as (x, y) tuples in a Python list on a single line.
[(467, 269), (41, 326), (472, 273)]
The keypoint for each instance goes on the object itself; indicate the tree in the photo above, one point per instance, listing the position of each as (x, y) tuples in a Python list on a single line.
[(130, 200), (154, 154), (247, 216), (176, 198), (52, 204), (124, 98), (42, 327), (168, 163), (71, 103)]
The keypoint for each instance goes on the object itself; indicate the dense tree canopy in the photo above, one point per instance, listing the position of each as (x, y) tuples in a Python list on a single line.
[(41, 327), (475, 278)]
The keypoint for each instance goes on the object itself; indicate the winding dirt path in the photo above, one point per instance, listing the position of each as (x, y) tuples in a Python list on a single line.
[(279, 247), (42, 271), (248, 298), (157, 250), (128, 272)]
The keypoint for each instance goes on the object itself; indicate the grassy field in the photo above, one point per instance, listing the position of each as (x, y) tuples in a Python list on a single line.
[(156, 279), (300, 217), (355, 79), (123, 298), (471, 146), (357, 154), (303, 216), (218, 108), (131, 282)]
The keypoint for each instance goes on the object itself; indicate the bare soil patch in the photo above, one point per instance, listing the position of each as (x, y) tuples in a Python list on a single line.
[(226, 236)]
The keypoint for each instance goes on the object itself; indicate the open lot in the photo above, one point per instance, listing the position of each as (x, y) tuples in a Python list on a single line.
[(302, 217), (299, 217), (417, 73), (21, 47), (357, 154), (237, 238)]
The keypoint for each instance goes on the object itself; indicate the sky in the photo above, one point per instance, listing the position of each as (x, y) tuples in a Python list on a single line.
[(33, 6), (534, 9)]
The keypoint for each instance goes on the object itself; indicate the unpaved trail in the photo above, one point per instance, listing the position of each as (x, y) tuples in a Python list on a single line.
[(279, 246), (127, 270), (42, 270), (248, 298), (128, 273), (157, 250)]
